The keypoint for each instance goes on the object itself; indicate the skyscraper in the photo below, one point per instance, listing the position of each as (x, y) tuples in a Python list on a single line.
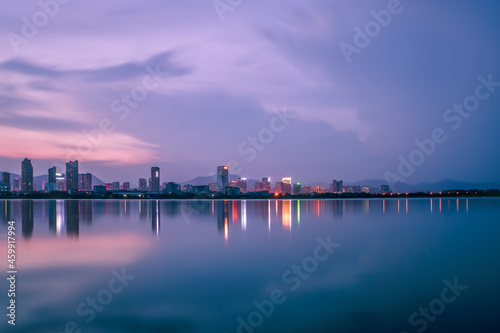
[(287, 185), (52, 175), (72, 176), (5, 182), (297, 188), (27, 176), (115, 186), (155, 179), (222, 178), (143, 184), (6, 178), (333, 186), (85, 182), (340, 186)]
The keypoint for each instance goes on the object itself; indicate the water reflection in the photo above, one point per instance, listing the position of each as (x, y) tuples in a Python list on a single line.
[(27, 218), (66, 217)]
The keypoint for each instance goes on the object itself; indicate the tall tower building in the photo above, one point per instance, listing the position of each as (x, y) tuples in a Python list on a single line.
[(222, 178), (143, 184), (5, 182), (340, 186), (85, 182), (155, 179), (72, 176), (287, 185), (27, 176), (6, 178), (52, 175)]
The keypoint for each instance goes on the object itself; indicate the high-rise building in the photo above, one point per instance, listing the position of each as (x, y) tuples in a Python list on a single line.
[(5, 182), (72, 176), (27, 176), (155, 179), (6, 178), (126, 186), (115, 186), (333, 187), (61, 182), (52, 175), (264, 185), (287, 185), (366, 189), (340, 186), (222, 178), (240, 183), (143, 184), (85, 182), (278, 187), (297, 188)]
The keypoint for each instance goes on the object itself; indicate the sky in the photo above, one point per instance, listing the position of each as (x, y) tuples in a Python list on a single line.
[(315, 90)]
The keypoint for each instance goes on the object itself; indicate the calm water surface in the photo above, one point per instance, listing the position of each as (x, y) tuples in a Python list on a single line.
[(254, 266)]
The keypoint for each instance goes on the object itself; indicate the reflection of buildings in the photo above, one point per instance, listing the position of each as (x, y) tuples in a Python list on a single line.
[(155, 216), (86, 211), (72, 217), (143, 210), (27, 217), (223, 217), (5, 211), (286, 214), (52, 215)]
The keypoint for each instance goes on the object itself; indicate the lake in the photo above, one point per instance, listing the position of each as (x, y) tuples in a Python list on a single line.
[(253, 265)]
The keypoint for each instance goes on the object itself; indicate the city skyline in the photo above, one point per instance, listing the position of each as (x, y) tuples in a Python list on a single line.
[(313, 88)]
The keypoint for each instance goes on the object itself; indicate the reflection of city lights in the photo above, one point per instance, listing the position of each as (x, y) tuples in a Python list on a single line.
[(431, 205), (226, 229), (269, 214), (286, 214), (59, 216), (244, 215), (298, 211), (235, 212)]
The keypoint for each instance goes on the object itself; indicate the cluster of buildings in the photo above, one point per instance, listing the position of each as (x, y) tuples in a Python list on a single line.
[(72, 181)]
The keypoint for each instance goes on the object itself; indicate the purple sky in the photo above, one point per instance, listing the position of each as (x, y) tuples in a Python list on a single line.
[(222, 81)]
